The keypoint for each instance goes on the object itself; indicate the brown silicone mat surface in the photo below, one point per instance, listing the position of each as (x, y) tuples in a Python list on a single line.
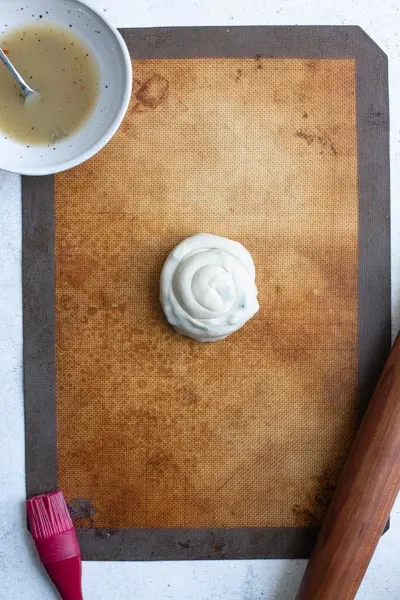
[(166, 448)]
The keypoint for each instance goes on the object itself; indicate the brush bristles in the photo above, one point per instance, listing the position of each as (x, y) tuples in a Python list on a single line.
[(48, 515)]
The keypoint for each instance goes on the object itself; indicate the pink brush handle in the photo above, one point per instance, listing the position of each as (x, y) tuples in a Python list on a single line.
[(61, 558), (66, 576)]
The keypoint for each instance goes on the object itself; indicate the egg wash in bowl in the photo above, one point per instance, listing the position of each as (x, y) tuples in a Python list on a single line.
[(102, 84), (58, 65)]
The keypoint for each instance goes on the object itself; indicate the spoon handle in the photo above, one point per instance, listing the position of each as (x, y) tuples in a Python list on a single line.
[(25, 89)]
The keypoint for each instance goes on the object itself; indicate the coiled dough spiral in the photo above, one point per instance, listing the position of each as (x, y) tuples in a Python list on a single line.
[(208, 288)]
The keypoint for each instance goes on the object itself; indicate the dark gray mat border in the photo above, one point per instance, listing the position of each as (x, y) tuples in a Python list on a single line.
[(38, 289), (374, 280)]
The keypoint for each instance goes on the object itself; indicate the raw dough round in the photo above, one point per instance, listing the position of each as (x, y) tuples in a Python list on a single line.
[(207, 287)]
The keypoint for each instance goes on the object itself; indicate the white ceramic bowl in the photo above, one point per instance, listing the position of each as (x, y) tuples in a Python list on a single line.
[(115, 85)]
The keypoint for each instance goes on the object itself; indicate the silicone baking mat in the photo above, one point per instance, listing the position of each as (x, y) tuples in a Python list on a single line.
[(164, 447)]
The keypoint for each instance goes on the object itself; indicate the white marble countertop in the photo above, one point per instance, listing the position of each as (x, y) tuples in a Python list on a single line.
[(21, 577)]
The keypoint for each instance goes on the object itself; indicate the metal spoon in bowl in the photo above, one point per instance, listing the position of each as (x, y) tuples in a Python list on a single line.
[(28, 93)]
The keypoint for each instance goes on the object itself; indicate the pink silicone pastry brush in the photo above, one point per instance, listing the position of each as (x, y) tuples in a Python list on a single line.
[(56, 542)]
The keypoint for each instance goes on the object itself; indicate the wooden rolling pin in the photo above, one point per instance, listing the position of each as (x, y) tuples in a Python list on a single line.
[(363, 498)]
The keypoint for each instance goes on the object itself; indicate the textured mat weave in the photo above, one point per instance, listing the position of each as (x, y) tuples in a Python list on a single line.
[(161, 431)]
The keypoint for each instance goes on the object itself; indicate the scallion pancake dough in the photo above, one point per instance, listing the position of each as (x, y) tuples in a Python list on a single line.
[(208, 288)]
